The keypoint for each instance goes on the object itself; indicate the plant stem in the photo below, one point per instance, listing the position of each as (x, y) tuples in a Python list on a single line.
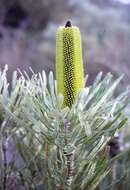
[(70, 156)]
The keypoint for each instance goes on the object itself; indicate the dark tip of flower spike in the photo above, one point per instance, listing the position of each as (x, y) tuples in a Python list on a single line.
[(68, 24)]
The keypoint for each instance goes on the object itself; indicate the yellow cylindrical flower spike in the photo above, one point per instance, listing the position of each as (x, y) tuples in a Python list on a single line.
[(69, 63)]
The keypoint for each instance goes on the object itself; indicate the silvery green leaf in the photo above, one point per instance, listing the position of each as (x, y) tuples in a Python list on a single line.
[(60, 100)]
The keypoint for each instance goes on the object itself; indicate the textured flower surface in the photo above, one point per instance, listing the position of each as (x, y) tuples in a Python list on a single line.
[(69, 64)]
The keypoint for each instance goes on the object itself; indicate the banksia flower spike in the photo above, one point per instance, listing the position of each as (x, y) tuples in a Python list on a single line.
[(69, 63)]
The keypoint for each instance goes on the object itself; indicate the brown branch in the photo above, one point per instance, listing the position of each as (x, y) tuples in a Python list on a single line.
[(46, 151)]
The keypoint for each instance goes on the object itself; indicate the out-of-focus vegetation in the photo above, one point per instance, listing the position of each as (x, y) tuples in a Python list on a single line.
[(28, 39)]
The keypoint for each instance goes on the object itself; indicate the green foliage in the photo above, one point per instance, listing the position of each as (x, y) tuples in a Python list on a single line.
[(120, 172), (36, 117)]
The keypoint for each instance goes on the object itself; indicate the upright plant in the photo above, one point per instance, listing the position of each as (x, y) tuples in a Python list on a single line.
[(69, 75)]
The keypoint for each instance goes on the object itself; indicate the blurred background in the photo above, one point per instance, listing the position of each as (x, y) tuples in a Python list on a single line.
[(28, 29)]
